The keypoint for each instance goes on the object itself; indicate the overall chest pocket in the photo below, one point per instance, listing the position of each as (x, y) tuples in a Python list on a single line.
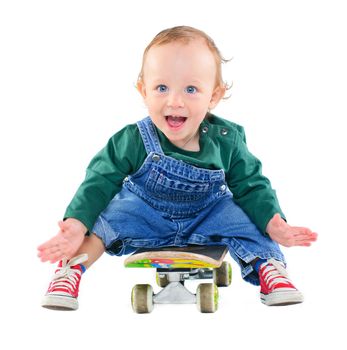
[(171, 187)]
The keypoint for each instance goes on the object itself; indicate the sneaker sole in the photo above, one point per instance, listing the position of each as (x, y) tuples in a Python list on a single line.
[(56, 302), (282, 298)]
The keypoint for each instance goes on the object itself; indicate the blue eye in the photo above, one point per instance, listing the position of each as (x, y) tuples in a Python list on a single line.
[(191, 89), (162, 88)]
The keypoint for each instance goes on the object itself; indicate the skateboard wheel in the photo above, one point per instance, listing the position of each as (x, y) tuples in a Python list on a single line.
[(142, 298), (161, 281), (222, 275), (207, 297)]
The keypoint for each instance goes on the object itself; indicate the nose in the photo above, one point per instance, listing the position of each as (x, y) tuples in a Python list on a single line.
[(175, 100)]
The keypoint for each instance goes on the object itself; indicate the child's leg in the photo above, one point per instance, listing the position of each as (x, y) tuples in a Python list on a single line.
[(259, 257), (94, 247), (62, 292)]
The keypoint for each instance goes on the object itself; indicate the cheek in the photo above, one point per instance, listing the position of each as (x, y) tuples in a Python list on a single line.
[(153, 102), (148, 102), (200, 104), (154, 108)]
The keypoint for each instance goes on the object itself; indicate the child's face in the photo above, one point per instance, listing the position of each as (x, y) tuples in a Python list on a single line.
[(179, 87)]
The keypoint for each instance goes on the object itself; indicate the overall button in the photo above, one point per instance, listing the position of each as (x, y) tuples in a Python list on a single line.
[(155, 157), (223, 188), (224, 131)]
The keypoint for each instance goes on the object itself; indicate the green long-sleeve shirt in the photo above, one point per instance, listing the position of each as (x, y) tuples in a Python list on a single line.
[(222, 146)]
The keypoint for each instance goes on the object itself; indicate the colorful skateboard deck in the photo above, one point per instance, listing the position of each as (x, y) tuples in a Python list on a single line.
[(178, 257)]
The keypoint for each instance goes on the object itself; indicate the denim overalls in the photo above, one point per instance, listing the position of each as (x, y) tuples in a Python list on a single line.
[(170, 203)]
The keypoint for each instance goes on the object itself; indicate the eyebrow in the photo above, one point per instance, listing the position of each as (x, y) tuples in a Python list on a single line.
[(162, 80)]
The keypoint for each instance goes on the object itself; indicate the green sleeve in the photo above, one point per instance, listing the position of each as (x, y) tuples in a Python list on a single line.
[(251, 190), (105, 175)]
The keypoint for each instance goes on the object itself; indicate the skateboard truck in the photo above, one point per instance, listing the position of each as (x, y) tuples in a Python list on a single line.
[(175, 265), (174, 292)]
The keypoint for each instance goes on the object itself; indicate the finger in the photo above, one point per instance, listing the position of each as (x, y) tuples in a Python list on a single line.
[(45, 257), (43, 246), (53, 249), (304, 241), (311, 236), (51, 242), (303, 230), (48, 245), (292, 241), (315, 235), (56, 257), (57, 240), (62, 225), (49, 250), (304, 236), (48, 254), (304, 245), (296, 230)]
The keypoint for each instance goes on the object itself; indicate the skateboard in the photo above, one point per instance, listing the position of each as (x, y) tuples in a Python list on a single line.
[(175, 265)]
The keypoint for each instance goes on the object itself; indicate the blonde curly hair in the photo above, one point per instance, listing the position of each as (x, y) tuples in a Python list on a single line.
[(185, 34)]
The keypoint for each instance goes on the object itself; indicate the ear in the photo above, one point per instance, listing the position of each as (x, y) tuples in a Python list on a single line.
[(141, 88), (216, 96)]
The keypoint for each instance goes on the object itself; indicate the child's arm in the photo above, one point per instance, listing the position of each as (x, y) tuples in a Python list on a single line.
[(65, 244), (287, 235)]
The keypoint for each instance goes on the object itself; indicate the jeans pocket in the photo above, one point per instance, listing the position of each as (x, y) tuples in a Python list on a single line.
[(170, 187)]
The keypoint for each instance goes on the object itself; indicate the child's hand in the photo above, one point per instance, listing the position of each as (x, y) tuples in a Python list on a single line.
[(65, 244), (287, 235)]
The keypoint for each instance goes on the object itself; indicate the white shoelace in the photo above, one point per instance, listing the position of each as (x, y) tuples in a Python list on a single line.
[(65, 276), (275, 273)]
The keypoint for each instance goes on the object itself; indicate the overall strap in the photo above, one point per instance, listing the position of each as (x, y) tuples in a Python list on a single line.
[(149, 136)]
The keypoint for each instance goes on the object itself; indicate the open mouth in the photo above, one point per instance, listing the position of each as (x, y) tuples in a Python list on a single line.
[(175, 121)]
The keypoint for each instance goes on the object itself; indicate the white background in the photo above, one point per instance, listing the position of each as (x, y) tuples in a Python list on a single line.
[(67, 76)]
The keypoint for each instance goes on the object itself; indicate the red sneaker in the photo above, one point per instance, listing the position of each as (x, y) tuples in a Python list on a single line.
[(276, 287), (62, 292)]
